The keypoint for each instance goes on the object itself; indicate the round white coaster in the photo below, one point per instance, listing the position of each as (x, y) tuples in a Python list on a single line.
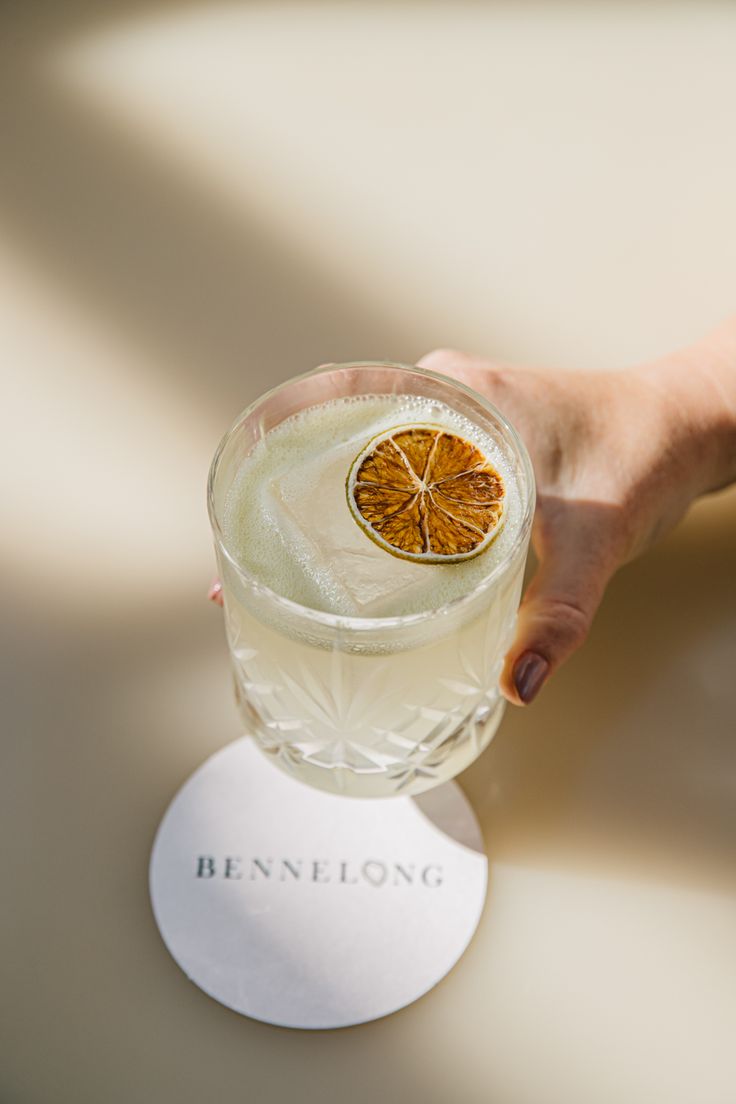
[(304, 909)]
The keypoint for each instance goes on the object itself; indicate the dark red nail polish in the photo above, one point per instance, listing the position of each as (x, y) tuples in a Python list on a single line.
[(530, 671)]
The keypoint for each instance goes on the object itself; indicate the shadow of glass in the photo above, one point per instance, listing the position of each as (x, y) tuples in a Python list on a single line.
[(625, 763), (443, 807)]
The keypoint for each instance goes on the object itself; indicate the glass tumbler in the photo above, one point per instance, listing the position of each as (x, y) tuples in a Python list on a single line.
[(370, 706)]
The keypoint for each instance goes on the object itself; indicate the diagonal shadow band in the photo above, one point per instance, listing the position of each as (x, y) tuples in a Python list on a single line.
[(623, 765), (226, 310)]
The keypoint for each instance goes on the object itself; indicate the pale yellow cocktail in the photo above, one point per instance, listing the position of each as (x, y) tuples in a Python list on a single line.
[(359, 670)]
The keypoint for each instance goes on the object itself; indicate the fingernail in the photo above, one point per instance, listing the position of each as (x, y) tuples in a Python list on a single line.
[(530, 671), (215, 591)]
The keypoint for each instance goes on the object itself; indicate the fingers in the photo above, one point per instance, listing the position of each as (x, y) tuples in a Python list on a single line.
[(215, 592), (510, 388), (557, 611), (439, 358), (452, 362)]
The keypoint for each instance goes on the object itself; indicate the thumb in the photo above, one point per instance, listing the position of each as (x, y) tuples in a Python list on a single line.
[(556, 613)]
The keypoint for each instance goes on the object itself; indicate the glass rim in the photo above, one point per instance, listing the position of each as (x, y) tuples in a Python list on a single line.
[(346, 621)]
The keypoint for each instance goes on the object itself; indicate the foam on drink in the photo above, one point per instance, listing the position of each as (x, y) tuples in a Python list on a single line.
[(287, 520)]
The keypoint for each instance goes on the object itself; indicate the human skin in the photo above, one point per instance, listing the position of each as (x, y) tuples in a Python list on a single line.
[(618, 457)]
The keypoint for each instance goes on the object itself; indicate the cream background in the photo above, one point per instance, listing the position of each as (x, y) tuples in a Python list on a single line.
[(197, 201)]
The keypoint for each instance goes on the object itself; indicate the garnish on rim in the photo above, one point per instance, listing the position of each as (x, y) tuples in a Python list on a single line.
[(426, 494)]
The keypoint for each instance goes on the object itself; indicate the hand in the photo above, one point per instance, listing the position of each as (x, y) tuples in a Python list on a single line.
[(618, 456)]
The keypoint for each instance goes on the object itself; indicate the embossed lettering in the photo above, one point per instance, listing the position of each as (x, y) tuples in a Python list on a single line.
[(205, 866), (231, 867), (374, 872), (264, 867), (318, 874), (405, 873), (432, 880)]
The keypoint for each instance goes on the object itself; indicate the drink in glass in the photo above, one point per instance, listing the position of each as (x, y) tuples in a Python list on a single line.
[(371, 526)]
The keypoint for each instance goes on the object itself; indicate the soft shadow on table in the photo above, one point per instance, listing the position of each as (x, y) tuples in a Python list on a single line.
[(225, 309), (109, 708), (626, 764), (621, 766)]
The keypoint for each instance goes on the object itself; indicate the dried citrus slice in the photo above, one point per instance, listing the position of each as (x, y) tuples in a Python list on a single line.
[(426, 494)]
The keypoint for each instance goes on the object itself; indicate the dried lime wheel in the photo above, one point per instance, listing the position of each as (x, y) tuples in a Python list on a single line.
[(426, 494)]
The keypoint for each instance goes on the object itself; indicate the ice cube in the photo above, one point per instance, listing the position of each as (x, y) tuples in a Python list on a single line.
[(312, 503)]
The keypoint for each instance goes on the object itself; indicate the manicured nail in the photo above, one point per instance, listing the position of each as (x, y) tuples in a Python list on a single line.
[(530, 671), (215, 591)]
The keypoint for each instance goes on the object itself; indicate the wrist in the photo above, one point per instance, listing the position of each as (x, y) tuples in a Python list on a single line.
[(696, 391)]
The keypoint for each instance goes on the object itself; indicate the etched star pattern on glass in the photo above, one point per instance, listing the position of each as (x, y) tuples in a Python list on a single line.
[(371, 707)]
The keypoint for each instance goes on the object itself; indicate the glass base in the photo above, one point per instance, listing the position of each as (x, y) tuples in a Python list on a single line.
[(422, 767)]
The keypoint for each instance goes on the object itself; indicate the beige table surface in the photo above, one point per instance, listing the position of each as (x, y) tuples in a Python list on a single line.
[(198, 200)]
